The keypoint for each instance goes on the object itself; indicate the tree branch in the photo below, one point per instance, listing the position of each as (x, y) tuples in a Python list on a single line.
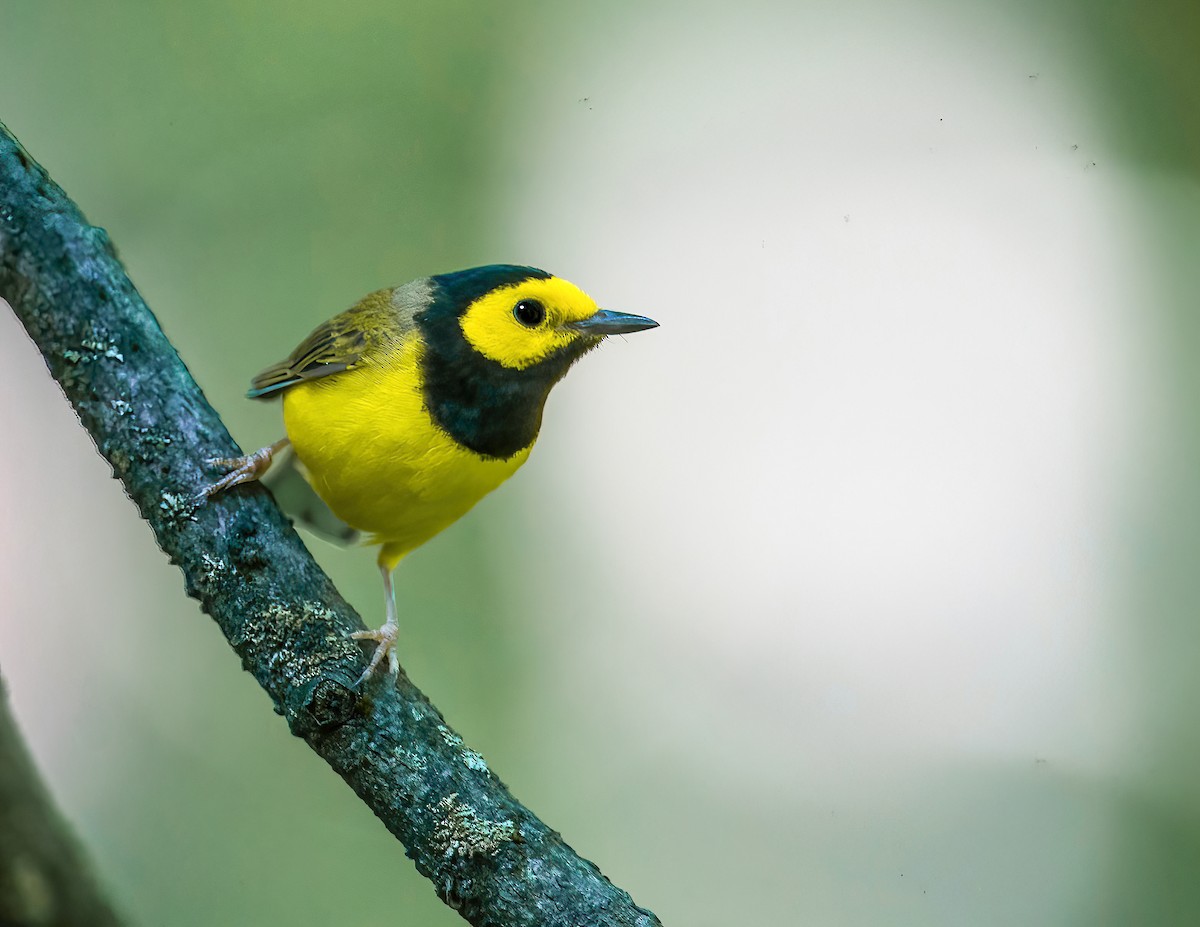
[(488, 856), (44, 879)]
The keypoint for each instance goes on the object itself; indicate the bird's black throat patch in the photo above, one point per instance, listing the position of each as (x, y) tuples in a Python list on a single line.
[(491, 409)]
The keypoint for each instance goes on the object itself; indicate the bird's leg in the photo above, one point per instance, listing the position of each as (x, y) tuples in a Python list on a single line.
[(242, 469), (384, 636)]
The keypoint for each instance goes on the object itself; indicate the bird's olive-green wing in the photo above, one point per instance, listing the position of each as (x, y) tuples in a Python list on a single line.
[(332, 347), (340, 344)]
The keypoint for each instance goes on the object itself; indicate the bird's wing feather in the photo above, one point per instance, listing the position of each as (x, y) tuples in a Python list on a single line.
[(332, 347), (342, 342)]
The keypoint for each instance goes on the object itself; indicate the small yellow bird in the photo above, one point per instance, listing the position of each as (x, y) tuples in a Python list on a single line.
[(415, 403)]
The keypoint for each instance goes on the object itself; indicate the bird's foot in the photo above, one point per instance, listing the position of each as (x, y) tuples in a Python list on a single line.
[(385, 638), (242, 469)]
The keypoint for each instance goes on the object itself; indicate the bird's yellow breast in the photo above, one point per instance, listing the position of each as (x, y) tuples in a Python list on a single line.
[(375, 456)]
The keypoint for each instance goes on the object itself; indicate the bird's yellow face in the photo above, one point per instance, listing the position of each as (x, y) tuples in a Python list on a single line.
[(519, 325)]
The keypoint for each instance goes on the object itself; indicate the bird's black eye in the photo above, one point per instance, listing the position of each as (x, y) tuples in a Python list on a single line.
[(529, 312)]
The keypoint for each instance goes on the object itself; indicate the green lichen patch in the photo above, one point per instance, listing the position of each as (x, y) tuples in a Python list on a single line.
[(286, 634), (470, 758), (95, 346), (213, 568), (475, 761), (460, 832), (411, 759), (178, 506), (103, 349)]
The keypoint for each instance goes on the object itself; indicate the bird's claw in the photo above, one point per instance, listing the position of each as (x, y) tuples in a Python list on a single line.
[(241, 469), (385, 638)]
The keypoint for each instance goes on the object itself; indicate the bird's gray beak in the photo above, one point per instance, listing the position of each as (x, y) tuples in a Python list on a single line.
[(607, 322)]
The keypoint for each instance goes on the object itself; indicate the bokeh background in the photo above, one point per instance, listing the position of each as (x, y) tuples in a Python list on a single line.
[(863, 592)]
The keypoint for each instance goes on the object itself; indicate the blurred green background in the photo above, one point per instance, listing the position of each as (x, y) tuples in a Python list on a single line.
[(863, 592)]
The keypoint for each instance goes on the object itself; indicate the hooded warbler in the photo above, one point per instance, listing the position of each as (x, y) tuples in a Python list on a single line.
[(408, 408)]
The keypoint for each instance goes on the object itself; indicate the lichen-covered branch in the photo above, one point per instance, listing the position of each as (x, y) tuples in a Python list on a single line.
[(44, 879), (487, 855)]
